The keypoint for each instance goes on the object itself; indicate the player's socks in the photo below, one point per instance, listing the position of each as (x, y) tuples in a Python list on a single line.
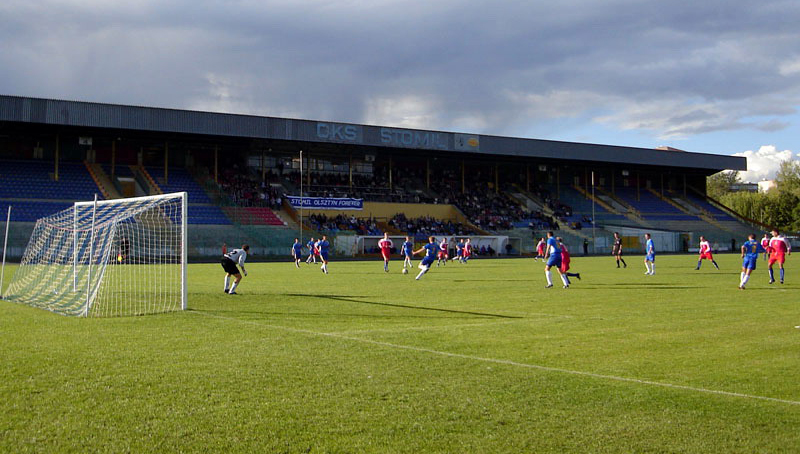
[(549, 278), (652, 268), (781, 272), (771, 276), (745, 279), (385, 267), (715, 264), (741, 276), (423, 271), (699, 262), (623, 263), (233, 288), (227, 283), (647, 267), (565, 280)]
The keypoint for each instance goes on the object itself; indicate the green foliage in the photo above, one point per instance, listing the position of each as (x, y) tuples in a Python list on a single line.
[(779, 208), (720, 183), (472, 358)]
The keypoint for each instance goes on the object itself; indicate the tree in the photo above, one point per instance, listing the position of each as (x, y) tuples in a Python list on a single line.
[(720, 183)]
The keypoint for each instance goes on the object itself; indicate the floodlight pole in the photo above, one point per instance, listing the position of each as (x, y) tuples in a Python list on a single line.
[(594, 242), (75, 247), (301, 197), (5, 245)]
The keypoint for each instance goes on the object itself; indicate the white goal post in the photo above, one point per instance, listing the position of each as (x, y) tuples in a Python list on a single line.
[(107, 258)]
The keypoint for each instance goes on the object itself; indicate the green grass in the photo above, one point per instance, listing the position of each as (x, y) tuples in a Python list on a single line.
[(472, 358)]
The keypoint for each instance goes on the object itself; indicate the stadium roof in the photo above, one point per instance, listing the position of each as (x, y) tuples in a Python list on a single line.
[(114, 116)]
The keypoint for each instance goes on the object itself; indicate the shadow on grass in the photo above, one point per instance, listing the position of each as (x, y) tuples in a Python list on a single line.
[(349, 299)]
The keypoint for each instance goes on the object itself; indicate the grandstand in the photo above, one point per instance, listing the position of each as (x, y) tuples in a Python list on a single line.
[(238, 169)]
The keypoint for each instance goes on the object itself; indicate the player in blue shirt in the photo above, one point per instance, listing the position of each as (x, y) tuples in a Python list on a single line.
[(407, 250), (553, 257), (311, 245), (297, 252), (650, 255), (322, 246), (750, 250), (431, 250), (460, 251)]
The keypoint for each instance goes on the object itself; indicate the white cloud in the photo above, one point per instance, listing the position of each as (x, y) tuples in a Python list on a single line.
[(764, 163)]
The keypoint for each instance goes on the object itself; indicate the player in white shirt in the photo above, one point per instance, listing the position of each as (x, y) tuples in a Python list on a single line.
[(443, 254), (385, 244), (229, 262), (705, 253)]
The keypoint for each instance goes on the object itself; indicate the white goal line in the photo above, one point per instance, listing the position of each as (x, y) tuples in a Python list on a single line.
[(507, 362)]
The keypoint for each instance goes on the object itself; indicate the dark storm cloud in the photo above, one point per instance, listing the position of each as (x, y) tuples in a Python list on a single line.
[(673, 68)]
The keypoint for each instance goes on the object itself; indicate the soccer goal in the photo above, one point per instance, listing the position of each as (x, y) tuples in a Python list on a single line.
[(107, 258)]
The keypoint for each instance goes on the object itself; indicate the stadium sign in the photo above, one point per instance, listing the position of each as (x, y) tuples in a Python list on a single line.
[(339, 133), (413, 139), (326, 203)]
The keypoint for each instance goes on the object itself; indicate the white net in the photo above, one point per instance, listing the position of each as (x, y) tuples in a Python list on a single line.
[(127, 257)]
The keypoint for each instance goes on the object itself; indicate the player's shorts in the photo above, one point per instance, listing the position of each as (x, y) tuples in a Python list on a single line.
[(442, 254), (650, 257), (776, 258), (229, 266), (616, 252), (554, 260), (324, 256), (427, 260), (706, 256), (749, 263), (386, 253)]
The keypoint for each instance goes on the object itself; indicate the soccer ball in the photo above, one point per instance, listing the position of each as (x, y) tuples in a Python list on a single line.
[(405, 271)]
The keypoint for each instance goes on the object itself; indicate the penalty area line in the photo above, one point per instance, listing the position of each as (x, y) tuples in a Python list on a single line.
[(507, 362)]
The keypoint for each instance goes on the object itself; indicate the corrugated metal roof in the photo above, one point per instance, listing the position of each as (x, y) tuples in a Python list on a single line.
[(97, 115)]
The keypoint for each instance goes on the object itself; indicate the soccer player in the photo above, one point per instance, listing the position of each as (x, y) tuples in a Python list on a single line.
[(229, 262), (565, 259), (442, 252), (650, 255), (765, 246), (616, 250), (431, 251), (297, 252), (460, 251), (540, 250), (407, 250), (779, 248), (467, 250), (705, 253), (750, 250), (553, 256), (311, 245), (322, 249), (386, 250)]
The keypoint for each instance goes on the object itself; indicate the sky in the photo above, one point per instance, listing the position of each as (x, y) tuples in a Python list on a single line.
[(716, 76)]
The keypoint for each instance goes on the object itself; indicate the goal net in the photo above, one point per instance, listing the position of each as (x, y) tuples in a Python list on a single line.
[(107, 258)]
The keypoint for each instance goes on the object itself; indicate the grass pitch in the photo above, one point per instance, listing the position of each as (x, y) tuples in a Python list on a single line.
[(472, 358)]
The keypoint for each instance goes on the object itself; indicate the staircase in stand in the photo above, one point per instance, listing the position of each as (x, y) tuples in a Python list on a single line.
[(253, 216)]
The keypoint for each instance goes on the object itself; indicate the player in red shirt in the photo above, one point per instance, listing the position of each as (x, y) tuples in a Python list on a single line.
[(385, 244), (779, 248), (565, 259)]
